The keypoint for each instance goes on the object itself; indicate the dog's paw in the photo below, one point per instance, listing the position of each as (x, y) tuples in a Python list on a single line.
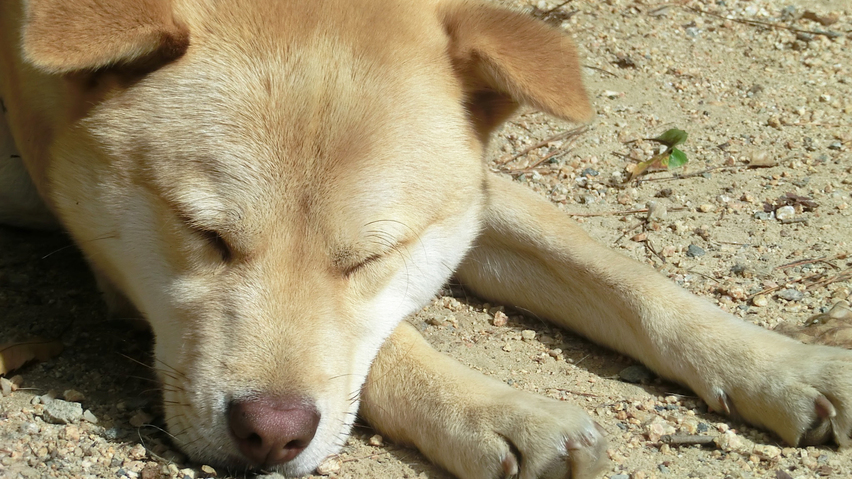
[(520, 435), (804, 395)]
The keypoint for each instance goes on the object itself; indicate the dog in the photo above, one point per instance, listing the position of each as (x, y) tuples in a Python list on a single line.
[(276, 185)]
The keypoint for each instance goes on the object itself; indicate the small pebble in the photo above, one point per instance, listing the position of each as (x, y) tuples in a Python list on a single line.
[(328, 467), (114, 433), (636, 374), (208, 470), (528, 335), (30, 428), (73, 395), (785, 213), (376, 440), (500, 319), (72, 433), (658, 428), (759, 301), (47, 398), (137, 452), (767, 452), (730, 441), (5, 387), (707, 208), (762, 158), (62, 412), (791, 294), (694, 251), (89, 417)]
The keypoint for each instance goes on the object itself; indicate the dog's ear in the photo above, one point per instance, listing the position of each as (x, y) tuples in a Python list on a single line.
[(62, 36), (505, 58)]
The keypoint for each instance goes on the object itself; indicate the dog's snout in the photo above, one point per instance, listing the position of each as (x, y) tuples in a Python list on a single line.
[(272, 430)]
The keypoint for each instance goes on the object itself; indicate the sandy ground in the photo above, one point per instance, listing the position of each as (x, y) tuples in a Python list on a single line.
[(747, 94)]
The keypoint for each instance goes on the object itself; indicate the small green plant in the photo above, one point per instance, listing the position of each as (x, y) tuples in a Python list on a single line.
[(670, 159)]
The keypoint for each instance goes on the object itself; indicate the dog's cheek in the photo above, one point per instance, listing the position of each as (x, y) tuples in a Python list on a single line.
[(426, 266)]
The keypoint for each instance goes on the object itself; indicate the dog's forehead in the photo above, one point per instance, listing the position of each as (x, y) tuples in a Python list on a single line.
[(267, 119)]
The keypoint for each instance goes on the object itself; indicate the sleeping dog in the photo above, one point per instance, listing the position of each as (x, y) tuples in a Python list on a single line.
[(276, 185)]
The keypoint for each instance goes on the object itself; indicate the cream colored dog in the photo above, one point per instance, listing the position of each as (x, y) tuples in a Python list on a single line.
[(275, 185)]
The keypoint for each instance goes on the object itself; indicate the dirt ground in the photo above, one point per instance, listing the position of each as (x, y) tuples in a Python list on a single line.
[(759, 221)]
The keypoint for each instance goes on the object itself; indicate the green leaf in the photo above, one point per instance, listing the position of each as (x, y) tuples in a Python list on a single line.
[(672, 137), (678, 159)]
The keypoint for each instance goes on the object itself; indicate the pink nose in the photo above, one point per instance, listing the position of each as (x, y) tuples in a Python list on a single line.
[(272, 430)]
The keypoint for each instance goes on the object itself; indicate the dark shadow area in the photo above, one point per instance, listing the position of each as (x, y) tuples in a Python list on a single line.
[(47, 291)]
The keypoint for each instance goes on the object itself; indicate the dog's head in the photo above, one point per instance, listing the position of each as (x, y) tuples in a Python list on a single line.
[(276, 185)]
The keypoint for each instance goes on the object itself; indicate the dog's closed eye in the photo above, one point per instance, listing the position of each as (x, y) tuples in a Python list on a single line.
[(217, 243), (355, 267), (349, 262)]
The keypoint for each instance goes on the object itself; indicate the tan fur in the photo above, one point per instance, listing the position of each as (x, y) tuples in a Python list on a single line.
[(268, 182), (55, 39)]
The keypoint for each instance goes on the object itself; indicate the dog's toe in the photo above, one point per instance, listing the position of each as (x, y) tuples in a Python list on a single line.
[(586, 455), (548, 439)]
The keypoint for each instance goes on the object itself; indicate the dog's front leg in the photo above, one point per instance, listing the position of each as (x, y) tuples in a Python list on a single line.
[(530, 255), (473, 425)]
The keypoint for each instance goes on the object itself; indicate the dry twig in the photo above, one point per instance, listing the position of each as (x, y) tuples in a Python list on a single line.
[(615, 213), (687, 440), (758, 23), (565, 135), (825, 260)]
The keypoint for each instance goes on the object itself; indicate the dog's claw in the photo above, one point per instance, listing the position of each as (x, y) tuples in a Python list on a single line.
[(727, 405), (509, 465), (822, 428), (824, 408), (825, 426), (586, 454)]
